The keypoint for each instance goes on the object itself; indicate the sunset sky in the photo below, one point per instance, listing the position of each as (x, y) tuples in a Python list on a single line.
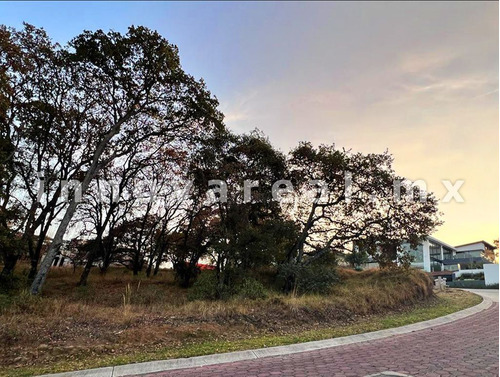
[(419, 79)]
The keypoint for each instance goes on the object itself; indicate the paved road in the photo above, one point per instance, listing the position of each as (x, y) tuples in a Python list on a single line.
[(467, 347), (492, 294)]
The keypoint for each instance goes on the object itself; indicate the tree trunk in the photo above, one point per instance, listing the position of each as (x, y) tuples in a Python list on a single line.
[(107, 251), (158, 261), (9, 265), (33, 261), (86, 270), (105, 263), (136, 263), (157, 253), (53, 249), (35, 257), (40, 277), (150, 266), (33, 268), (290, 284)]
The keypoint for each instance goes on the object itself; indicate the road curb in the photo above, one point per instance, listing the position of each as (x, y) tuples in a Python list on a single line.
[(197, 361)]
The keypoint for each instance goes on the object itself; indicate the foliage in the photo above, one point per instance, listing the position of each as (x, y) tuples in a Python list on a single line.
[(80, 108), (163, 180), (318, 277), (239, 234), (357, 258), (471, 276), (251, 289), (12, 246), (204, 288), (472, 284), (330, 217)]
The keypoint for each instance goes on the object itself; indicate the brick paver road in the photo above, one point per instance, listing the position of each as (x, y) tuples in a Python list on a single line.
[(467, 347)]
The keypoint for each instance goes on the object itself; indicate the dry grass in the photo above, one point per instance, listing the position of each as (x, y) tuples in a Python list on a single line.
[(119, 314)]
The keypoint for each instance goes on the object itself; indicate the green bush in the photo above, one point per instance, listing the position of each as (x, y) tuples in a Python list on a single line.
[(12, 284), (25, 302), (5, 301), (251, 289), (357, 258), (317, 279), (475, 284), (204, 288), (312, 278), (473, 276)]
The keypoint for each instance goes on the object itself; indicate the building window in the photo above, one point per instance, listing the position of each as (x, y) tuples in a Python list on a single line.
[(435, 254)]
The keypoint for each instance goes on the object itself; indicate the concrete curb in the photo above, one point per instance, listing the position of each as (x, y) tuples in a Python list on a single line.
[(197, 361)]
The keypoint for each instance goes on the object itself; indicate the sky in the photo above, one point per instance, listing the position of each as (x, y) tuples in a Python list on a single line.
[(418, 79)]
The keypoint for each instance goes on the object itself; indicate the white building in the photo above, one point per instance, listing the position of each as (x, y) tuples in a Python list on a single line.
[(431, 253), (477, 249), (434, 255)]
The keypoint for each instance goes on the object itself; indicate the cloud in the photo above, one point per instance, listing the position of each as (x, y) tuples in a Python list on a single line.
[(428, 93), (416, 63)]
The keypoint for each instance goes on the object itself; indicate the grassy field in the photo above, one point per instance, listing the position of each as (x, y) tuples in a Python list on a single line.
[(121, 319)]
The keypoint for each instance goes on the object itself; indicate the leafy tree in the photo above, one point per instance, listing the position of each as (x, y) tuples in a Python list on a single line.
[(357, 258), (491, 255), (352, 198), (141, 95), (109, 199), (239, 234), (248, 233), (191, 244), (118, 108), (35, 109), (11, 245)]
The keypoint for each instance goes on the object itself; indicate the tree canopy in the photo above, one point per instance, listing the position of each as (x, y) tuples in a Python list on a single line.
[(107, 141)]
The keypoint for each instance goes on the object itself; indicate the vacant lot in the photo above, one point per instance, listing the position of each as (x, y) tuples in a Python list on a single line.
[(119, 318)]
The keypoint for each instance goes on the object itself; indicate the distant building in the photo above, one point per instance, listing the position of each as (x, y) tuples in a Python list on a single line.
[(477, 249), (430, 254), (433, 255)]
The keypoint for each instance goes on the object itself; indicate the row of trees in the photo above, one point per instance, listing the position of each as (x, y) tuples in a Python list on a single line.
[(157, 177)]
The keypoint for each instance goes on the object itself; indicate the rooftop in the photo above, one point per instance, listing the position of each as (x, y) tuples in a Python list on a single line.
[(439, 242), (483, 242)]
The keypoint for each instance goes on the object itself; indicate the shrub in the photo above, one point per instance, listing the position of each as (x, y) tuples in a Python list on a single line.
[(204, 288), (473, 276), (312, 278), (11, 284), (317, 279), (357, 258), (24, 302), (251, 289), (5, 301), (474, 284)]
